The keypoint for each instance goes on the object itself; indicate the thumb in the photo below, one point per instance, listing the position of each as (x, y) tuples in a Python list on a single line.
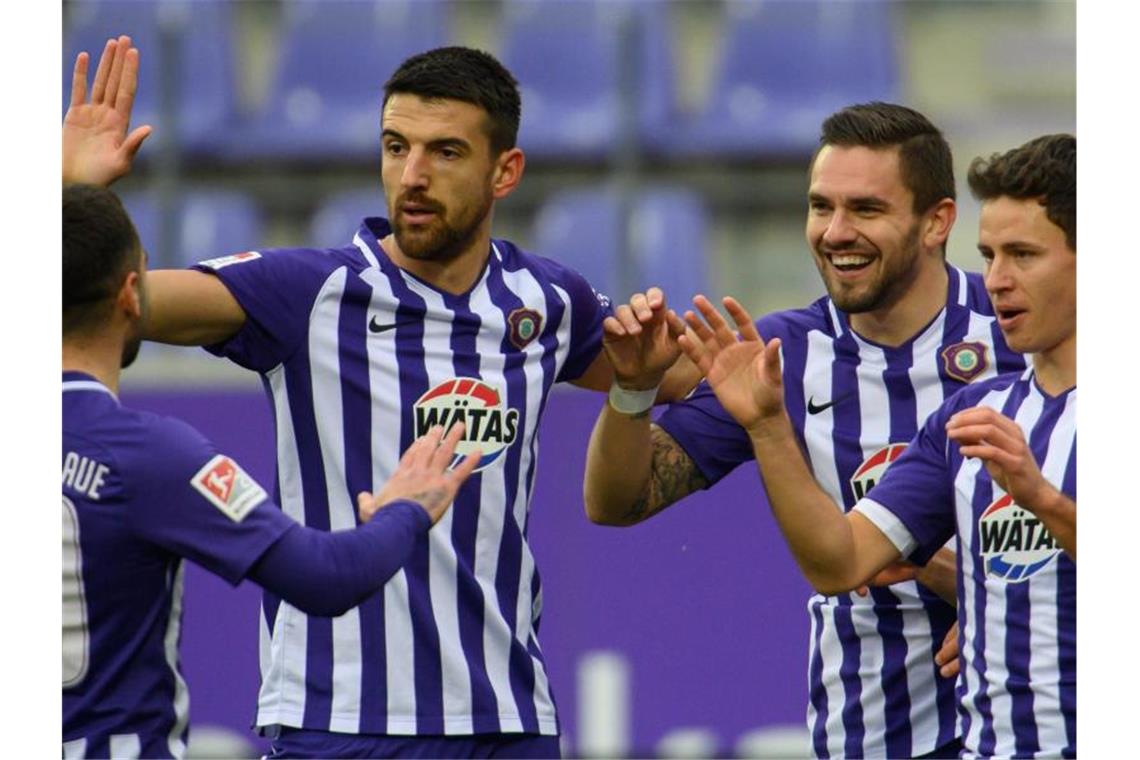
[(135, 140), (363, 503)]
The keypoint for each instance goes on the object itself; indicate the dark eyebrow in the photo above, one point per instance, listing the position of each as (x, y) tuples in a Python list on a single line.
[(869, 200), (443, 142)]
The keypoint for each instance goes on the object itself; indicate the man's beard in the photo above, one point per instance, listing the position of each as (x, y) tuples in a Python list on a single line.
[(895, 279), (439, 240)]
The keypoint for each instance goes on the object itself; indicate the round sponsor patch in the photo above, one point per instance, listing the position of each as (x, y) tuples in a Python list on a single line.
[(491, 426), (1015, 544)]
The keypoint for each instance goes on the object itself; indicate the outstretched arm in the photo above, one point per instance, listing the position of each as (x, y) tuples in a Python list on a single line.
[(997, 440), (836, 552), (97, 148)]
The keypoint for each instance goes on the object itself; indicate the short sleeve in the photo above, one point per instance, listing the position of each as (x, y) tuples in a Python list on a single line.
[(918, 491), (196, 502), (588, 309), (276, 289), (707, 433)]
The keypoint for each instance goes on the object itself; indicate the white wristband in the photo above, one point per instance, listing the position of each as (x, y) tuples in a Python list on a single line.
[(632, 402)]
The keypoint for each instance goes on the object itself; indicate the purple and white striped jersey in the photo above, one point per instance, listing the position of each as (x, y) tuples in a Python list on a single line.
[(359, 359), (140, 492), (1017, 589), (874, 690)]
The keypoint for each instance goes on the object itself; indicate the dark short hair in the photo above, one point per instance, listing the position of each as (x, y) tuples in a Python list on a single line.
[(1045, 169), (472, 76), (100, 246), (925, 161)]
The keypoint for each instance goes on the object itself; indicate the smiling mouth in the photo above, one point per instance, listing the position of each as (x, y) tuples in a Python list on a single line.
[(849, 262)]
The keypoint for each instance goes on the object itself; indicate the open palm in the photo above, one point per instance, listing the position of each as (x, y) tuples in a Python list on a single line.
[(743, 372), (97, 148)]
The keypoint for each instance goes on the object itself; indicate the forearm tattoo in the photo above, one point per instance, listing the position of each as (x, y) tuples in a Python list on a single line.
[(673, 476)]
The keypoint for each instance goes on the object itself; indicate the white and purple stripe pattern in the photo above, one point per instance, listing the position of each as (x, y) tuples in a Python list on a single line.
[(1017, 687), (449, 646), (873, 685)]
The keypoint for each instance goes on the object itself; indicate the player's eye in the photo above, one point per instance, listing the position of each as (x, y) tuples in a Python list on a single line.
[(394, 148)]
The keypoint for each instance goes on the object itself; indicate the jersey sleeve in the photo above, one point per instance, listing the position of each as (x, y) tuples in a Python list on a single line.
[(914, 502), (588, 309), (276, 290), (707, 433), (198, 503)]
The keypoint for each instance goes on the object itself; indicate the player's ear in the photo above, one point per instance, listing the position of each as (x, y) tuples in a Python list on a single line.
[(130, 295), (507, 173), (937, 223)]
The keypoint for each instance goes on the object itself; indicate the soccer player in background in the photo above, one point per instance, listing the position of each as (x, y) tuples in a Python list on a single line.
[(993, 467), (141, 492), (900, 331), (424, 319)]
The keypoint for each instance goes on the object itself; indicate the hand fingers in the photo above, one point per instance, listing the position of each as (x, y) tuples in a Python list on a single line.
[(441, 456), (128, 84), (771, 364), (675, 324), (363, 504), (702, 331), (115, 77), (862, 590), (612, 328), (79, 80), (696, 353), (465, 467), (624, 314), (742, 318), (656, 298), (724, 336), (987, 433), (419, 453), (640, 306), (134, 140), (103, 71)]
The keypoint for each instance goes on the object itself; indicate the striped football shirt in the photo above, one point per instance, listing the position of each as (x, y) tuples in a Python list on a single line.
[(359, 358), (873, 686), (1017, 589), (140, 492)]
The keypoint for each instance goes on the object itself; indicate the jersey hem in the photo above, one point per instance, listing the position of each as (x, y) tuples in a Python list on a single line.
[(406, 725)]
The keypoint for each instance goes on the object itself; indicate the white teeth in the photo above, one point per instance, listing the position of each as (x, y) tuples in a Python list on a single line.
[(850, 260)]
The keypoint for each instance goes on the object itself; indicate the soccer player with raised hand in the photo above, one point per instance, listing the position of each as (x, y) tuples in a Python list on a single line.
[(994, 467), (899, 331)]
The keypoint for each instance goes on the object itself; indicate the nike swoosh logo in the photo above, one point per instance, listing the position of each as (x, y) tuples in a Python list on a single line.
[(376, 327), (813, 408)]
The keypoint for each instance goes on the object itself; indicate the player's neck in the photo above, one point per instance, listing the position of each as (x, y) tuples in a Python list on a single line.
[(1056, 368), (455, 275), (898, 322), (96, 357)]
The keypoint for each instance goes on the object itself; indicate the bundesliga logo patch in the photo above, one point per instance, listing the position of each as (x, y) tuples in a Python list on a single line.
[(965, 361), (874, 467), (228, 487), (490, 426), (525, 324), (1015, 543), (225, 261)]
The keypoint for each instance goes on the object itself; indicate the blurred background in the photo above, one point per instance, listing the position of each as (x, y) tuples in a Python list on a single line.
[(667, 143)]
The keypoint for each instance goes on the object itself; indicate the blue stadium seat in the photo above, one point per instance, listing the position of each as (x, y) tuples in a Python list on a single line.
[(565, 56), (784, 66), (664, 228), (335, 56), (207, 224), (336, 220), (581, 228), (668, 236), (201, 62)]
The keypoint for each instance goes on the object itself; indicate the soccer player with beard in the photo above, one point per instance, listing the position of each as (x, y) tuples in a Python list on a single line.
[(899, 332), (423, 319), (141, 492), (993, 467)]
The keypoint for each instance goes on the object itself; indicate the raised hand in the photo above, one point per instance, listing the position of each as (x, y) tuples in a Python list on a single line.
[(423, 475), (997, 440), (744, 373), (640, 340), (96, 146)]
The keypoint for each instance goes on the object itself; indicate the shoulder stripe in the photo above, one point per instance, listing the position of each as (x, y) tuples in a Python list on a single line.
[(87, 385), (365, 251)]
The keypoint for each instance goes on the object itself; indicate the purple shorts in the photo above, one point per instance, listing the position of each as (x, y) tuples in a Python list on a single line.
[(300, 743)]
